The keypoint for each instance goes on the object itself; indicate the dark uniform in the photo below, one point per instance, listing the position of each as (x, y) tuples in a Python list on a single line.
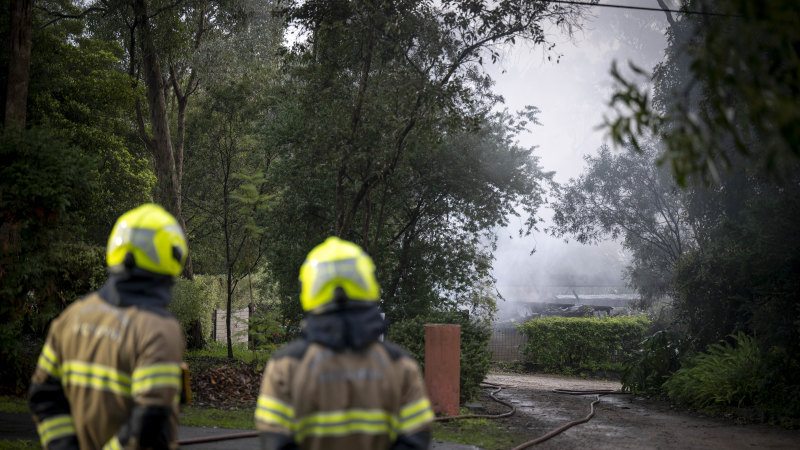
[(109, 375)]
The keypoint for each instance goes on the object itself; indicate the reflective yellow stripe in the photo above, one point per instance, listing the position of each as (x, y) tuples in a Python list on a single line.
[(356, 421), (96, 376), (54, 428), (271, 410), (113, 444), (48, 361), (415, 407), (415, 415), (165, 375)]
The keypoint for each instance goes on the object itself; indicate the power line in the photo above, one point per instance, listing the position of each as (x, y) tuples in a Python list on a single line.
[(640, 8)]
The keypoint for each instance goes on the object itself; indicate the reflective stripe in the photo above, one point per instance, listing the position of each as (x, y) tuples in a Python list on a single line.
[(354, 421), (271, 410), (96, 376), (113, 444), (55, 427), (48, 361), (164, 375), (415, 414)]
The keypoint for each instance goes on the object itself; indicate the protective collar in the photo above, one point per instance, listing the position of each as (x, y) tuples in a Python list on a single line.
[(353, 328), (137, 288)]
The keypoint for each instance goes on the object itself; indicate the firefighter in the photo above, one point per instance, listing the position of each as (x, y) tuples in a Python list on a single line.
[(109, 375), (340, 386)]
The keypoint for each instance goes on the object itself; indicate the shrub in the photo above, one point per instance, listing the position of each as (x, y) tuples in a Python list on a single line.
[(573, 344), (649, 367), (266, 331), (191, 302), (726, 375), (475, 354)]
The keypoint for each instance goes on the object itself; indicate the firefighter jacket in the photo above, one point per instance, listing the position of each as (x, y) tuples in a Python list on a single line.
[(109, 375), (339, 387)]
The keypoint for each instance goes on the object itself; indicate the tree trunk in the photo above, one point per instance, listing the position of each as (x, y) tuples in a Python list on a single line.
[(168, 191), (195, 340), (19, 63)]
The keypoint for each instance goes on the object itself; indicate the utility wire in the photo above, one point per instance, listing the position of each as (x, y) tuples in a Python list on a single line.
[(640, 8)]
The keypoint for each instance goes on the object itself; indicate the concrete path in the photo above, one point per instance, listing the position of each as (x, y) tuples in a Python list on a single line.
[(21, 427)]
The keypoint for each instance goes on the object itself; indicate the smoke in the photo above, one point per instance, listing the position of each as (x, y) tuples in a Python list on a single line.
[(573, 97), (555, 268)]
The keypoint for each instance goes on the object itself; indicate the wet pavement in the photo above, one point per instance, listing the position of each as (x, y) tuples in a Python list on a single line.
[(21, 427)]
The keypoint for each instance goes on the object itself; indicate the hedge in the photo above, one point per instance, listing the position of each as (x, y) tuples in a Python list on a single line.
[(575, 344)]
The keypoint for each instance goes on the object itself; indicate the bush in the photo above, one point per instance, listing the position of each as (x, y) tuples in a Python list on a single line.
[(192, 302), (574, 344), (475, 354), (649, 367), (726, 375)]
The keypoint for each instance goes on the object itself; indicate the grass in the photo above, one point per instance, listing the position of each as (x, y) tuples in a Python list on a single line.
[(14, 445), (488, 434), (209, 417), (219, 350), (9, 404)]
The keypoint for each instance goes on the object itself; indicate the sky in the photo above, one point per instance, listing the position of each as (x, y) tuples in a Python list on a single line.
[(573, 97)]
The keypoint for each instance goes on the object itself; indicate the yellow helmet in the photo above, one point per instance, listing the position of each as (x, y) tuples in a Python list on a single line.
[(152, 237), (333, 268)]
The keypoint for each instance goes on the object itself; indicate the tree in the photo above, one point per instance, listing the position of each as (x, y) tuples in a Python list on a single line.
[(378, 96), (64, 182), (165, 44), (710, 100), (227, 190), (19, 32), (626, 195)]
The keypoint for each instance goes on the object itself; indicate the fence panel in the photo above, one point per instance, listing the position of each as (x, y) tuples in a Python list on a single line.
[(239, 327), (504, 343)]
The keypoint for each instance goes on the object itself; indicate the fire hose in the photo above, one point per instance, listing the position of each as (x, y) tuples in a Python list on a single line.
[(597, 393)]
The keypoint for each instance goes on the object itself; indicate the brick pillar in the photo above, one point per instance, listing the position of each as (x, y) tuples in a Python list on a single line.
[(443, 366)]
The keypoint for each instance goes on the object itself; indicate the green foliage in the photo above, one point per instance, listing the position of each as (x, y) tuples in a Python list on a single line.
[(475, 354), (745, 275), (725, 375), (482, 433), (649, 366), (13, 404), (219, 351), (241, 419), (390, 101), (710, 102), (42, 264), (266, 330), (19, 444), (625, 195), (78, 91), (573, 344), (192, 300)]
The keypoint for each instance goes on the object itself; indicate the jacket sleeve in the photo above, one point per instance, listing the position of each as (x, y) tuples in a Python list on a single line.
[(275, 415), (156, 384), (48, 403), (416, 416)]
